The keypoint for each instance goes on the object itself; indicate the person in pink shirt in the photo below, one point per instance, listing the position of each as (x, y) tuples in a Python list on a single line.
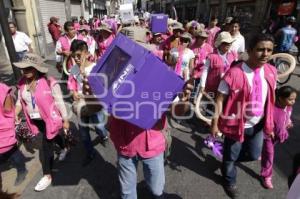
[(201, 50), (54, 29), (134, 144), (84, 35), (82, 21), (8, 142), (157, 41), (95, 23), (285, 99), (217, 63), (244, 109), (76, 24), (212, 30), (62, 49), (105, 38), (42, 103)]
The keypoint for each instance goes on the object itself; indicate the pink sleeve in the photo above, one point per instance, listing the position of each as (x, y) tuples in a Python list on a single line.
[(289, 112), (4, 91), (72, 84)]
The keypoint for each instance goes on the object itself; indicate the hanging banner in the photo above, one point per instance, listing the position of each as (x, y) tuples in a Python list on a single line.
[(286, 8), (126, 13)]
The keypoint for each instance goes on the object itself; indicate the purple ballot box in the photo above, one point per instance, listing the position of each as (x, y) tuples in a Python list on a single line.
[(133, 84), (159, 23)]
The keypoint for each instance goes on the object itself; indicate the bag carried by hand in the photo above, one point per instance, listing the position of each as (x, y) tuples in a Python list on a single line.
[(23, 133)]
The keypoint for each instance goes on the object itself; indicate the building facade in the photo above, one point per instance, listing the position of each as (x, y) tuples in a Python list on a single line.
[(202, 10)]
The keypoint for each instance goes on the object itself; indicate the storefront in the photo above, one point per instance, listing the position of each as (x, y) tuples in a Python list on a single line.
[(244, 11)]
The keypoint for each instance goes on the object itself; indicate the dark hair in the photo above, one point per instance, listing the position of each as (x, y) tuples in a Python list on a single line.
[(213, 18), (258, 38), (285, 92), (78, 45), (67, 25), (84, 30), (13, 23), (235, 20)]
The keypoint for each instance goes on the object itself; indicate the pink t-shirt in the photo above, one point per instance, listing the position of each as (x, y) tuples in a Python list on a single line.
[(200, 57), (7, 122), (212, 34), (130, 140)]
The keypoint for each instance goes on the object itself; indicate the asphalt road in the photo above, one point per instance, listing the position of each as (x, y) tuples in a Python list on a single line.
[(192, 173)]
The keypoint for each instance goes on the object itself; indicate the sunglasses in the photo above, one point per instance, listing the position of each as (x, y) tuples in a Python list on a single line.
[(226, 44), (184, 40)]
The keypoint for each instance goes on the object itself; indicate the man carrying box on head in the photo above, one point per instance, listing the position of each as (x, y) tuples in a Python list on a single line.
[(134, 144)]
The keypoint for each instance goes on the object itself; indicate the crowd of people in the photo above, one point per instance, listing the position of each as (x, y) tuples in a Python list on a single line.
[(251, 112)]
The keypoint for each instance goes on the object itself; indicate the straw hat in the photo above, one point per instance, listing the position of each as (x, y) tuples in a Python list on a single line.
[(137, 34), (201, 33), (105, 27), (177, 26), (195, 25), (85, 27), (171, 21), (186, 35), (32, 60), (228, 20), (223, 37)]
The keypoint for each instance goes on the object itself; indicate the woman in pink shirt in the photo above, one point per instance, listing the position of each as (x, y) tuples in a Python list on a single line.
[(41, 100), (212, 30), (104, 39), (8, 141), (201, 50)]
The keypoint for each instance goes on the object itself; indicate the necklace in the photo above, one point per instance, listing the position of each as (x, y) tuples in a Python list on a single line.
[(30, 85)]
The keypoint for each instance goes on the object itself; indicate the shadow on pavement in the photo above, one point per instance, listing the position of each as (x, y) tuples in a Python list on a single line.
[(144, 193), (185, 155), (101, 175)]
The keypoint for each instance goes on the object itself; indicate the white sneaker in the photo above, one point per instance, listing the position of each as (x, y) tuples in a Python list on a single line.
[(63, 154), (43, 183)]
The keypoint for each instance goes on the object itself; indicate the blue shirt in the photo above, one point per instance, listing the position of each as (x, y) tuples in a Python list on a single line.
[(287, 35)]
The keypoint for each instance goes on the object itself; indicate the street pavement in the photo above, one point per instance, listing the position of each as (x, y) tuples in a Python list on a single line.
[(191, 173)]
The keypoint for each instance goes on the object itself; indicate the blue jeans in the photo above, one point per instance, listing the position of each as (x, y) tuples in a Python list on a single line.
[(20, 55), (97, 121), (235, 151), (154, 174), (16, 157)]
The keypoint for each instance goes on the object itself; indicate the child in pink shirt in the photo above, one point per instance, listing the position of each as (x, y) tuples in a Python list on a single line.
[(286, 97)]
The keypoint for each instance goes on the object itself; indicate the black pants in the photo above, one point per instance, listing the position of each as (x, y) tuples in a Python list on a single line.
[(47, 149), (16, 157)]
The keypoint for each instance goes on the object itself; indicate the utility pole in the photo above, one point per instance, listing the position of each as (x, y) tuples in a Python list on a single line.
[(9, 41), (68, 9)]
